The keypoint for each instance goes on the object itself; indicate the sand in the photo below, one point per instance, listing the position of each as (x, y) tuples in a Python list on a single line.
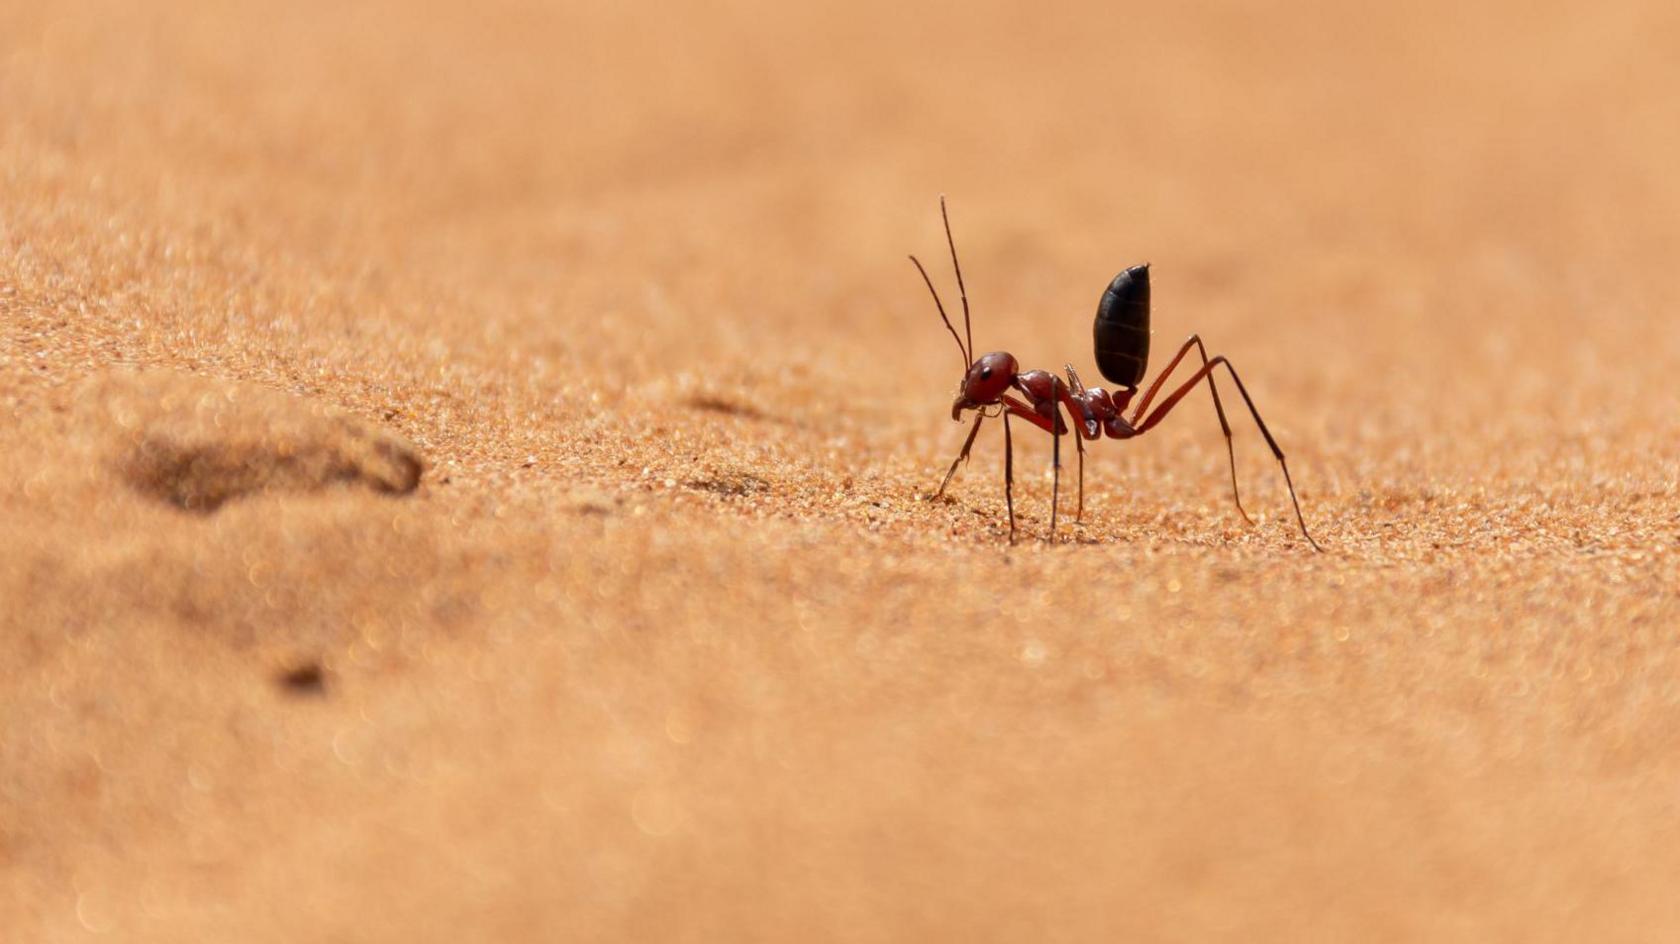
[(464, 467)]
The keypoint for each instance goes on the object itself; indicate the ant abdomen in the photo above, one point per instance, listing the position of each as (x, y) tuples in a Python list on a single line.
[(1122, 327)]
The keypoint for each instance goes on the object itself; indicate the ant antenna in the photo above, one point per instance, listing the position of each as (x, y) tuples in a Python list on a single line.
[(967, 326), (941, 306)]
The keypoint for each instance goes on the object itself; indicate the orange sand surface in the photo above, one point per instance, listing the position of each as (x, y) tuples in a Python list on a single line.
[(463, 474)]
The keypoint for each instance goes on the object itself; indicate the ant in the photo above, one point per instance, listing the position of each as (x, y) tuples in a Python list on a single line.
[(1121, 335)]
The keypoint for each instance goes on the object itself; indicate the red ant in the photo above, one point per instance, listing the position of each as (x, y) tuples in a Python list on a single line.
[(1122, 353)]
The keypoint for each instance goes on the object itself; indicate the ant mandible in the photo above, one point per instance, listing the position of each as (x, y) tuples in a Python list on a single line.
[(1122, 352)]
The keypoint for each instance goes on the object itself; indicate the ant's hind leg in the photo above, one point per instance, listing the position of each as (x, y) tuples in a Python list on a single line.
[(1205, 372), (1195, 341), (960, 459)]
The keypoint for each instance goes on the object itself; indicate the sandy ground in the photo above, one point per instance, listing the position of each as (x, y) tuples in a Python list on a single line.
[(666, 644)]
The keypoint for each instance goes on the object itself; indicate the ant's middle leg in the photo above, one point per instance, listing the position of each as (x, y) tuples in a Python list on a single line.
[(1009, 475), (1055, 466), (1079, 509), (1077, 390), (1195, 341), (1055, 456)]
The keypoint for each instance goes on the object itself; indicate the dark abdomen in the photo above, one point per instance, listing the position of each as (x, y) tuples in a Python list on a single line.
[(1122, 328)]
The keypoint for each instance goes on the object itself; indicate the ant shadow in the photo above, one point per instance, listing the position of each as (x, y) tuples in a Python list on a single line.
[(711, 403)]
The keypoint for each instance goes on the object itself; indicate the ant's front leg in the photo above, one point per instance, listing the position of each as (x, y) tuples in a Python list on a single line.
[(961, 457)]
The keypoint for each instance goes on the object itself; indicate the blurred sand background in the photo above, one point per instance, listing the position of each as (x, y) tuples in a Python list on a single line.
[(666, 645)]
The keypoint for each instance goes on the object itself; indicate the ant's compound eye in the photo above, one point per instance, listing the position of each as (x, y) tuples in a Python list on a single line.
[(985, 373)]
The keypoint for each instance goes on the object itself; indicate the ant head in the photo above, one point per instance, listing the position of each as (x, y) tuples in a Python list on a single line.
[(985, 382)]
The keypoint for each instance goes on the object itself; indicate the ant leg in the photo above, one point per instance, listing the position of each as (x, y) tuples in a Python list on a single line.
[(1055, 455), (1077, 389), (1009, 475), (1075, 386), (1206, 372), (1218, 408), (1079, 512), (961, 457), (1050, 424)]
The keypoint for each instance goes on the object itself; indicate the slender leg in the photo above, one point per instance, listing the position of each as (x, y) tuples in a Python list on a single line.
[(1079, 511), (1021, 410), (1077, 389), (961, 457), (1218, 408), (1052, 424), (1055, 458), (1205, 372), (1009, 476)]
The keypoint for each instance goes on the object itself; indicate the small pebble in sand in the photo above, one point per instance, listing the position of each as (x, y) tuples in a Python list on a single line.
[(303, 678)]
